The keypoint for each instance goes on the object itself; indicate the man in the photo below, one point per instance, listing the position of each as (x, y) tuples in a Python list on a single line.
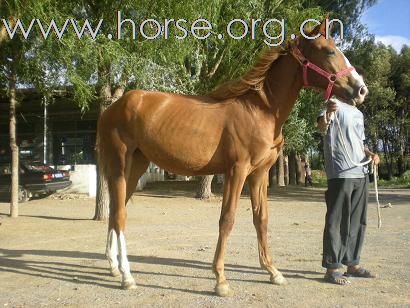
[(346, 197), (308, 175)]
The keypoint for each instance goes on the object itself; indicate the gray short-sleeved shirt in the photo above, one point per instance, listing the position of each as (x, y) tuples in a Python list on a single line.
[(337, 163)]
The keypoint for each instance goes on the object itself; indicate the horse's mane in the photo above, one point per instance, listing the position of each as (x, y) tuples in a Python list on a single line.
[(253, 79)]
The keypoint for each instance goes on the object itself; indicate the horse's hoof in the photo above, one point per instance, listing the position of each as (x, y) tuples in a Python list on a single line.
[(128, 284), (223, 290), (115, 272), (278, 279)]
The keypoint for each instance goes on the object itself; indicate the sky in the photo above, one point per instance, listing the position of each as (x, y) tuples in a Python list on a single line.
[(389, 21)]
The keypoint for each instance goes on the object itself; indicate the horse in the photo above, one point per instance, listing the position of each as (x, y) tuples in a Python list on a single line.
[(236, 130)]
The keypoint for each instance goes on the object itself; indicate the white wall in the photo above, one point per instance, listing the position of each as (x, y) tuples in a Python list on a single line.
[(83, 178)]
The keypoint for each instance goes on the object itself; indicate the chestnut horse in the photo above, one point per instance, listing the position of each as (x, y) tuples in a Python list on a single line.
[(235, 130)]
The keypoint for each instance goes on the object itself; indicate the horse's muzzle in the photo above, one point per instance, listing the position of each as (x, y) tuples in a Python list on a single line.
[(360, 95)]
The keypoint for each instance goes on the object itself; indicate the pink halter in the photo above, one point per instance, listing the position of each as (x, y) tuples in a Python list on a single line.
[(331, 77)]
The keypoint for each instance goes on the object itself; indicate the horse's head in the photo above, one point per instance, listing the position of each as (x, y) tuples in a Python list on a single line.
[(326, 67)]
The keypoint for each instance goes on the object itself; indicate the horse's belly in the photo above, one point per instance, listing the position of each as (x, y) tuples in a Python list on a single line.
[(183, 160), (183, 150)]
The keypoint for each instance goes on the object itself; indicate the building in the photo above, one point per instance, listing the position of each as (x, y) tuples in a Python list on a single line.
[(58, 133)]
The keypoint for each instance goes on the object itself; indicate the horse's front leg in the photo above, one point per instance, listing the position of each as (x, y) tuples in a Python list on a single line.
[(258, 185), (234, 180)]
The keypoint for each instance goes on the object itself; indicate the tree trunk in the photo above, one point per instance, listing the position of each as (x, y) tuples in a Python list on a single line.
[(204, 189), (387, 153), (292, 168), (286, 169), (401, 165), (102, 198), (273, 177), (281, 170), (14, 212), (300, 171)]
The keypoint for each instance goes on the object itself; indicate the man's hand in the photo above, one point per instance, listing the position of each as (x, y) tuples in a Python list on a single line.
[(331, 106), (375, 158), (323, 121)]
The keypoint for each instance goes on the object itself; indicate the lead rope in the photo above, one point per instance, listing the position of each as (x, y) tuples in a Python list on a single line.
[(375, 171)]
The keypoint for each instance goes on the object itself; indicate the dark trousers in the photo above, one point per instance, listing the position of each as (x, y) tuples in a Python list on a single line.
[(308, 180), (346, 218)]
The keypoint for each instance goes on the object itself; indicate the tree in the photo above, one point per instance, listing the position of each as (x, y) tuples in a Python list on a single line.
[(299, 132), (349, 12), (11, 55), (281, 170), (379, 107), (401, 82), (105, 67), (12, 89)]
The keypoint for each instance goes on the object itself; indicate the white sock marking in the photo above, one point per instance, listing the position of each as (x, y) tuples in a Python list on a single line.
[(122, 247), (112, 249)]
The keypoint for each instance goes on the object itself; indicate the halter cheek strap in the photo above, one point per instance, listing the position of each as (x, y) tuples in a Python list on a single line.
[(306, 64)]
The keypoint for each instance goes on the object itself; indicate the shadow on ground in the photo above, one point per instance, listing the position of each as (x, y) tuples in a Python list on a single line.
[(174, 189), (76, 271)]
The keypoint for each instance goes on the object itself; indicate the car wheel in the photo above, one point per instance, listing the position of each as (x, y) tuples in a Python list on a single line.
[(24, 195)]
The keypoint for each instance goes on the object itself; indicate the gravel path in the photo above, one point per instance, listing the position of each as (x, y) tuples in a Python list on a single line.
[(53, 255)]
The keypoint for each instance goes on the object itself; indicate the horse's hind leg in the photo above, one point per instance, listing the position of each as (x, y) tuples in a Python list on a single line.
[(118, 159), (258, 185), (135, 166)]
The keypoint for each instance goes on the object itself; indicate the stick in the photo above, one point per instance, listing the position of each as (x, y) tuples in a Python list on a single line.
[(379, 216)]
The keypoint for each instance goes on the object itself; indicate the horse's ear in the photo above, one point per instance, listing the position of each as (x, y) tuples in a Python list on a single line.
[(322, 29)]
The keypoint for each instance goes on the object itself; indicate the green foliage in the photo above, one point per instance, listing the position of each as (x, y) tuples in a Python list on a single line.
[(386, 108), (349, 11), (397, 182), (300, 128), (319, 178)]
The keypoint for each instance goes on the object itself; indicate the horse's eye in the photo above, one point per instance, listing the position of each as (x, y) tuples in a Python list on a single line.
[(330, 52)]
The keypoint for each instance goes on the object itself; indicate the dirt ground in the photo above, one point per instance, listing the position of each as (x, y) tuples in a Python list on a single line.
[(53, 254)]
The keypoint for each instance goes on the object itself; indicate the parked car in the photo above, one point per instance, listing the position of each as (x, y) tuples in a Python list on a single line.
[(34, 180), (170, 175)]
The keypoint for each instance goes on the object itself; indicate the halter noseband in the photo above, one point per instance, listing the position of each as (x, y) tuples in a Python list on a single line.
[(329, 76)]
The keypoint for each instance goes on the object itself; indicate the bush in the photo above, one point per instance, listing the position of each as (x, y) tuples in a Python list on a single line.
[(319, 178), (397, 182)]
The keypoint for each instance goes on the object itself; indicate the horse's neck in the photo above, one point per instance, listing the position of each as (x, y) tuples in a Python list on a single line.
[(282, 86)]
